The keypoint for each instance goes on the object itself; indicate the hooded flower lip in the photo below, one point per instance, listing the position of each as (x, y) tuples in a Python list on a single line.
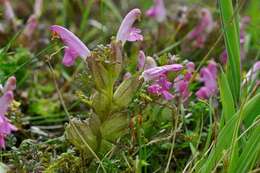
[(31, 25), (126, 31), (74, 46), (153, 73), (158, 11)]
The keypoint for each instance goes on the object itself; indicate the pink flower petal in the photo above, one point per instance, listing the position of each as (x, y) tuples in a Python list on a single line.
[(134, 35), (69, 57), (167, 95)]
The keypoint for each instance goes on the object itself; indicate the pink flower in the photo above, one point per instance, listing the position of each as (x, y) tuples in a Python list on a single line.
[(5, 126), (200, 32), (156, 72), (74, 47), (208, 75), (31, 26), (126, 30), (158, 11)]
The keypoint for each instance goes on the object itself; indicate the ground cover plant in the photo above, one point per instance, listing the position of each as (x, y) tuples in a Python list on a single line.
[(129, 86)]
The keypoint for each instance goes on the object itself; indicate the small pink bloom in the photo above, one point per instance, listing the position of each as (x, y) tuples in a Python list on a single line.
[(224, 57), (167, 95), (190, 66), (154, 89), (5, 126), (153, 73), (127, 76), (182, 87), (75, 48), (126, 30), (200, 32), (31, 26), (158, 11)]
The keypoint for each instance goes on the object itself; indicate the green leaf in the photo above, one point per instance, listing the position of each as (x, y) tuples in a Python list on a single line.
[(226, 97), (231, 36), (250, 151), (125, 92), (223, 143)]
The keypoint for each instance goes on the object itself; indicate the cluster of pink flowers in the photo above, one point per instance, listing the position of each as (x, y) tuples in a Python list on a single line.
[(75, 48), (208, 75), (161, 86), (200, 32), (158, 11), (5, 126)]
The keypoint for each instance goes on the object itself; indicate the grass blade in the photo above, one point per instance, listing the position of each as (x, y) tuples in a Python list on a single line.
[(226, 97), (231, 36), (251, 108)]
